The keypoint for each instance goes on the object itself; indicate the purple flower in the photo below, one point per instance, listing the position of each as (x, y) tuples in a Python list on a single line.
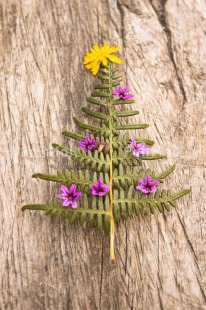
[(121, 93), (99, 189), (69, 195), (139, 149), (147, 186), (88, 144)]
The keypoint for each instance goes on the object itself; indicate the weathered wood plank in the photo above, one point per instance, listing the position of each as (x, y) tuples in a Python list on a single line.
[(45, 263)]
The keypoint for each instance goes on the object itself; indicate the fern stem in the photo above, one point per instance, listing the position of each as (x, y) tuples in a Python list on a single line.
[(112, 225)]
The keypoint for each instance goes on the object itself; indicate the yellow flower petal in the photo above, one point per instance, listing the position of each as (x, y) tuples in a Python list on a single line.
[(89, 58), (88, 66), (95, 68), (96, 48), (100, 55), (114, 58), (104, 61)]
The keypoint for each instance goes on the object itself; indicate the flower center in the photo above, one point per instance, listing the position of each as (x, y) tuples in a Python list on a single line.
[(100, 190)]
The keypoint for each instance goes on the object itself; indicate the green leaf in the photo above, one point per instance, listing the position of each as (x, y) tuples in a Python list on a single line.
[(153, 156), (85, 126), (102, 86), (99, 216), (126, 113), (100, 94), (81, 213), (116, 77), (63, 149), (116, 102), (94, 113), (73, 135), (165, 173), (42, 207), (107, 217), (67, 178), (103, 70), (116, 207), (89, 158), (96, 101), (131, 126), (181, 193), (161, 200), (115, 83), (126, 141), (103, 77)]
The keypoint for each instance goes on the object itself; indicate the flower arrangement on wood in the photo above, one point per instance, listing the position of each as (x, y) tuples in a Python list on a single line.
[(112, 183)]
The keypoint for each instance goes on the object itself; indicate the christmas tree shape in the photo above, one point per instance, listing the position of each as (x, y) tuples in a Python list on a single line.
[(112, 184)]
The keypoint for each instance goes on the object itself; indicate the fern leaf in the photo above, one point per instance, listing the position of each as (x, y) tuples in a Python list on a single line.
[(115, 83), (102, 86), (113, 164), (89, 158), (99, 94), (161, 200), (68, 178), (131, 126), (73, 135), (86, 126), (165, 173), (126, 113), (103, 77), (81, 213), (96, 101), (94, 113), (117, 102), (116, 77), (153, 156), (125, 140)]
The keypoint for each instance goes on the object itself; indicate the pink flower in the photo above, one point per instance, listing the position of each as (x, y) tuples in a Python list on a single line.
[(140, 148), (147, 186), (121, 93), (69, 195), (88, 144), (99, 189)]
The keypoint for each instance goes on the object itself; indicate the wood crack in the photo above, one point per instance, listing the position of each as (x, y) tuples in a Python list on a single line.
[(194, 255)]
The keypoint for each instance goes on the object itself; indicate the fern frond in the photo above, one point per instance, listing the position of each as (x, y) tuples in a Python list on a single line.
[(133, 160), (97, 215), (125, 141), (141, 203), (110, 160), (94, 159), (67, 178), (83, 179)]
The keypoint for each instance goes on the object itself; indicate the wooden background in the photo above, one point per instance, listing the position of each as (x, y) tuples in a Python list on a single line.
[(161, 259)]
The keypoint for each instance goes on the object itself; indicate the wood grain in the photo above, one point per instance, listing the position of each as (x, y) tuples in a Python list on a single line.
[(160, 260)]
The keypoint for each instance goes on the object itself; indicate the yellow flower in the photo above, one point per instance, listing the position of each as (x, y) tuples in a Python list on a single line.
[(100, 55)]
